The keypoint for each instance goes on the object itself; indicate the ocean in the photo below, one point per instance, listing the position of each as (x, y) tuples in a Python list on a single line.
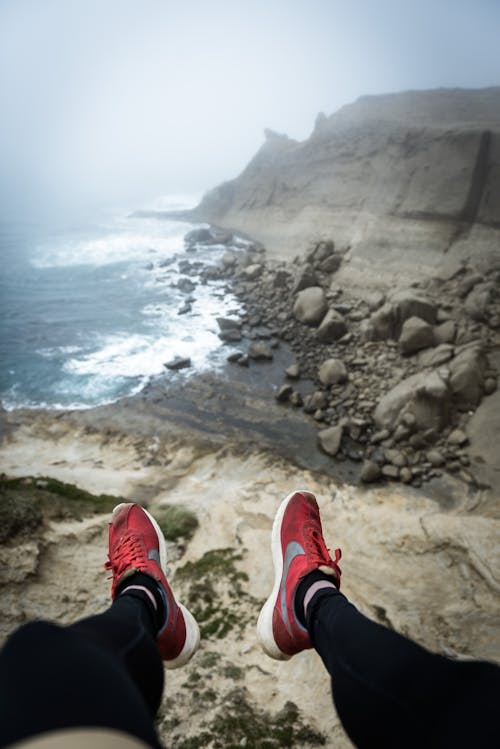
[(89, 310)]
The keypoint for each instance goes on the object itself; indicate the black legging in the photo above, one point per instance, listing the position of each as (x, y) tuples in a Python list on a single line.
[(106, 671), (390, 692)]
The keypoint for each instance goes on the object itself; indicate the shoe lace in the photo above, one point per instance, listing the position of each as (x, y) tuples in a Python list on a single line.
[(319, 553), (128, 552)]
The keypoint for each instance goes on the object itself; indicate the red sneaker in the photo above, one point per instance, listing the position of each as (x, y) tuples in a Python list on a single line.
[(298, 548), (136, 544)]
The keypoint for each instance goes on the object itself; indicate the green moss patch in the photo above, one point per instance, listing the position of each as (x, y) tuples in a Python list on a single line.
[(176, 522), (214, 593), (26, 502), (238, 723)]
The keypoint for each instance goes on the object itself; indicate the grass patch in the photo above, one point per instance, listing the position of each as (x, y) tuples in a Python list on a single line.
[(176, 522), (238, 723), (26, 502), (215, 592)]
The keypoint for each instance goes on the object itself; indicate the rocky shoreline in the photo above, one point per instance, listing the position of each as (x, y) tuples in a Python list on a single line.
[(397, 375)]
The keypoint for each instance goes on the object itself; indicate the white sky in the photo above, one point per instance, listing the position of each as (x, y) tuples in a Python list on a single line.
[(127, 99)]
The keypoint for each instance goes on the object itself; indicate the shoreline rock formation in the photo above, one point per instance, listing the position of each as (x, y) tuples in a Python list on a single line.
[(408, 185)]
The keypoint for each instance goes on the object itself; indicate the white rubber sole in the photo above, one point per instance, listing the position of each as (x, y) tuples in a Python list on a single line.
[(192, 629), (265, 634)]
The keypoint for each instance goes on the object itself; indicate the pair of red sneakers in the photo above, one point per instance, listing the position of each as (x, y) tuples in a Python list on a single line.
[(136, 544)]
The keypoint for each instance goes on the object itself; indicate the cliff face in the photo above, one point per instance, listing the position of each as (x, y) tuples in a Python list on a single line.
[(411, 178)]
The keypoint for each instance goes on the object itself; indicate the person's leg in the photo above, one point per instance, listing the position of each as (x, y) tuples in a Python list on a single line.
[(54, 678), (106, 670), (391, 692), (388, 691)]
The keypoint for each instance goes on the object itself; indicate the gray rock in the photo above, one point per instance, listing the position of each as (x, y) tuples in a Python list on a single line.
[(229, 259), (476, 304), (310, 306), (370, 472), (330, 439), (446, 332), (374, 300), (293, 371), (179, 362), (234, 357), (260, 352), (315, 401), (243, 361), (435, 357), (410, 303), (296, 399), (380, 326), (332, 372), (395, 457), (284, 393), (490, 385), (332, 327), (390, 471), (320, 251), (232, 335), (380, 436), (467, 376), (406, 475), (457, 437), (186, 285), (416, 334), (435, 458), (387, 322), (228, 323), (252, 272), (425, 395), (281, 279), (330, 264), (305, 279)]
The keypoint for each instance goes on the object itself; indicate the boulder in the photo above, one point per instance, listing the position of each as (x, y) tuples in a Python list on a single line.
[(446, 332), (315, 401), (380, 326), (260, 352), (228, 323), (467, 376), (332, 327), (332, 372), (436, 357), (252, 272), (281, 279), (186, 285), (293, 371), (330, 439), (230, 335), (284, 393), (305, 279), (370, 471), (310, 306), (179, 362), (330, 264), (198, 235), (416, 334), (425, 395), (321, 251), (457, 437), (476, 304), (387, 322), (409, 303)]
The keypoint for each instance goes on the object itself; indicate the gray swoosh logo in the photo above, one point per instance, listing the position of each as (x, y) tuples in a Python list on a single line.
[(293, 550), (154, 555)]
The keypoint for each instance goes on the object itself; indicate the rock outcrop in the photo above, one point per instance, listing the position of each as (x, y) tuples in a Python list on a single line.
[(409, 183)]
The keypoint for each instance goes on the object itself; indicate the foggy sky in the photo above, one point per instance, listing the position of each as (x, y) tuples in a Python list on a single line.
[(123, 100)]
